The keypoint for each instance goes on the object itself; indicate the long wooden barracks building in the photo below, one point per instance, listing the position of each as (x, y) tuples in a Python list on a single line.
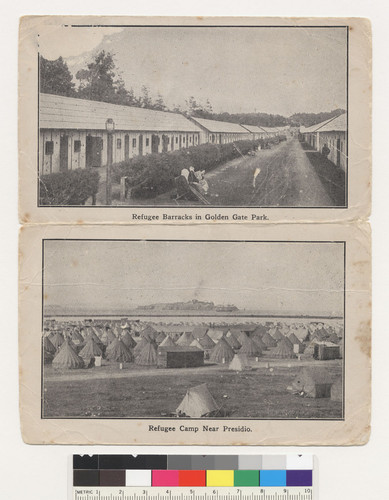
[(74, 133), (331, 132), (79, 133), (218, 132)]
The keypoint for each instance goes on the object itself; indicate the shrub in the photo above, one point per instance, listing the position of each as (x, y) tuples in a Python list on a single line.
[(73, 187), (154, 174)]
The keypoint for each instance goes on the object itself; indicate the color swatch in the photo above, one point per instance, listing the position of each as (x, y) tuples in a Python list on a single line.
[(193, 471)]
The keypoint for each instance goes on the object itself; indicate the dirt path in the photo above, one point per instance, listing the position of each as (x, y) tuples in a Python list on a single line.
[(286, 178), (112, 372)]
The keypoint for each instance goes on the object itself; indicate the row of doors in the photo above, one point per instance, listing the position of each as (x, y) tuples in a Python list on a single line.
[(93, 152), (94, 148)]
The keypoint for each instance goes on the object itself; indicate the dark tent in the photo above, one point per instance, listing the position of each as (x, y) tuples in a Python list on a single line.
[(222, 352), (268, 340), (284, 350), (250, 348), (148, 355), (67, 358), (127, 340), (118, 351)]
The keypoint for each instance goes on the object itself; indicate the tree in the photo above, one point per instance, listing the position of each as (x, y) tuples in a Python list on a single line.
[(177, 108), (123, 96), (145, 99), (208, 107), (97, 82), (159, 104), (55, 77), (192, 106)]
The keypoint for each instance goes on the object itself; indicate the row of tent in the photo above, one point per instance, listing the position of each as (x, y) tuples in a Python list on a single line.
[(123, 348), (174, 330)]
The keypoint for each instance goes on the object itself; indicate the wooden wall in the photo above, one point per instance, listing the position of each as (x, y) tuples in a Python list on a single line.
[(331, 139), (51, 163)]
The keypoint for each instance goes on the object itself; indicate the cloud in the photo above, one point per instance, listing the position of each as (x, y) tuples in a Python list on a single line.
[(70, 41)]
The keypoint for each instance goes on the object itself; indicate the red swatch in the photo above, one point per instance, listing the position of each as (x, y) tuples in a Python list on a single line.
[(192, 478)]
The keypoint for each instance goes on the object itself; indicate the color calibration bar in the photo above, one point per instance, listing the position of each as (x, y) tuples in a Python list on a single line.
[(193, 471)]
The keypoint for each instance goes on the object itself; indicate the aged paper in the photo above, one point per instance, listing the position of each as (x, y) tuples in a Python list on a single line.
[(272, 114), (212, 335)]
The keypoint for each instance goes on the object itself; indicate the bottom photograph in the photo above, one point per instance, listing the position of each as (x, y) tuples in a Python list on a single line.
[(195, 335), (221, 329)]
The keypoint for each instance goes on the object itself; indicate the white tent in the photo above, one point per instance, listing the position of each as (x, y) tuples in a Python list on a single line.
[(240, 363), (198, 402)]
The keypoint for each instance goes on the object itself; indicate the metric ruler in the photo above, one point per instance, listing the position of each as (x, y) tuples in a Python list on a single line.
[(194, 493)]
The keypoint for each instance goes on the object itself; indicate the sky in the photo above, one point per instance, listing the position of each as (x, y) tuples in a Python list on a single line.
[(300, 278), (271, 70)]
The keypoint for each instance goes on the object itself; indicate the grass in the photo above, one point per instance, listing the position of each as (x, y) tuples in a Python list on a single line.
[(260, 393)]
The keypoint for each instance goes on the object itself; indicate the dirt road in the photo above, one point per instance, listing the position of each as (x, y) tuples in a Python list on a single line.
[(286, 178)]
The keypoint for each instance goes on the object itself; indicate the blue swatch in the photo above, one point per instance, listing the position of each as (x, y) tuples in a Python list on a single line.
[(272, 478)]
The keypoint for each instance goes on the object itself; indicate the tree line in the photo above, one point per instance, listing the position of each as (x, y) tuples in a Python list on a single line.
[(100, 81)]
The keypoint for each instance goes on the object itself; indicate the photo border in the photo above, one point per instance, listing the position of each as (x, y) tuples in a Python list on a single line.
[(201, 207), (341, 242)]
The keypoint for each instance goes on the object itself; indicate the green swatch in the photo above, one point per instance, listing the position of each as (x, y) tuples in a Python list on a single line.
[(246, 478)]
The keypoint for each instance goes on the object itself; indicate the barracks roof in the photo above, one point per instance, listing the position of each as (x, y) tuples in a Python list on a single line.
[(334, 124), (338, 124), (253, 129), (58, 112), (216, 126)]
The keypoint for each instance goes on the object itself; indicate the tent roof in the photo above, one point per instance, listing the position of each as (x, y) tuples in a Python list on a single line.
[(277, 335), (185, 339), (268, 340), (160, 337), (118, 351), (198, 402), (292, 337), (48, 346), (128, 340), (58, 112), (174, 328), (250, 347), (196, 343), (283, 350), (206, 342), (199, 331), (90, 349), (239, 363), (232, 340), (215, 334), (57, 339), (149, 331), (168, 341), (260, 330)]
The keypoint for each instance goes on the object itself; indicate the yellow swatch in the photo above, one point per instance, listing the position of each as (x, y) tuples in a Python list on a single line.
[(220, 478)]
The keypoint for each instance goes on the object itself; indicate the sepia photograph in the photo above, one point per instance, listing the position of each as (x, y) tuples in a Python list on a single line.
[(192, 116), (156, 329)]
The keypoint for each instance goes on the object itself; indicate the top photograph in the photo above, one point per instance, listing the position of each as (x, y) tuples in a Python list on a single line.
[(181, 119)]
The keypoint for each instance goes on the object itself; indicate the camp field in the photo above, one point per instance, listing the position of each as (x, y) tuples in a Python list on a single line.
[(148, 392)]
